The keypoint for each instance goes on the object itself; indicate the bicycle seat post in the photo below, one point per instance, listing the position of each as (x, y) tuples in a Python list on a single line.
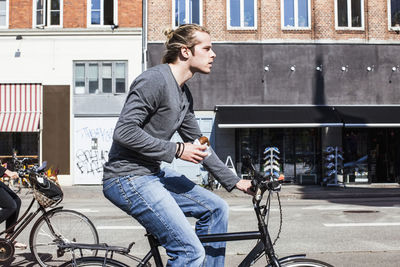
[(154, 244)]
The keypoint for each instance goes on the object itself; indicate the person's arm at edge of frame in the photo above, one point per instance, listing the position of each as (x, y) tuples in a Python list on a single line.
[(5, 171)]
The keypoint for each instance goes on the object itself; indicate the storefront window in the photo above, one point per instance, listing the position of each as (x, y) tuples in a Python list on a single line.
[(248, 147), (25, 145), (299, 150), (307, 155), (355, 167)]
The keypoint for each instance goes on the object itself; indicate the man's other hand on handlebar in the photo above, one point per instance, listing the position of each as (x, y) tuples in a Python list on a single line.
[(245, 186)]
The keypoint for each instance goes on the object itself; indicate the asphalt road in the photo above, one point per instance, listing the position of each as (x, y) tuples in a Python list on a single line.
[(342, 232)]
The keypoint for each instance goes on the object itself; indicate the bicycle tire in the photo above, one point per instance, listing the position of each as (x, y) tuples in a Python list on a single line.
[(94, 262), (69, 225), (305, 263)]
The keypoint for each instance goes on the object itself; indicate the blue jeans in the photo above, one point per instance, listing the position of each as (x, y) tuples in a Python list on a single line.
[(161, 202)]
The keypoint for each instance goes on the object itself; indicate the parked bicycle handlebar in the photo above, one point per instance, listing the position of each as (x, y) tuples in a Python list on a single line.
[(32, 171)]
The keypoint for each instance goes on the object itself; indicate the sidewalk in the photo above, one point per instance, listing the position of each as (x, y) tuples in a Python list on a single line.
[(288, 191)]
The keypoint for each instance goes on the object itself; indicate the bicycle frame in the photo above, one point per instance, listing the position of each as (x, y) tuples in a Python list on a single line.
[(23, 222), (265, 244)]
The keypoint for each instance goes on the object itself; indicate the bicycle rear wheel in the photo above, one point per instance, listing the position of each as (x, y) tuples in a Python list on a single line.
[(59, 226), (94, 262), (305, 263)]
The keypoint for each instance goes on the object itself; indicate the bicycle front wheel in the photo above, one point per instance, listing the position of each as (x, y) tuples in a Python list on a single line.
[(94, 262), (59, 226), (305, 263)]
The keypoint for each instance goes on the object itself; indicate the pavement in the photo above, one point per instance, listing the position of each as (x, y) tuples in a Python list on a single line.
[(288, 191)]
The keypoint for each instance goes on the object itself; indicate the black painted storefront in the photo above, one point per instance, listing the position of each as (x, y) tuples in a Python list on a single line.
[(286, 74)]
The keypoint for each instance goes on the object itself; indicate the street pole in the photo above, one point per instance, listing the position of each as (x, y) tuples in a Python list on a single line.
[(144, 35)]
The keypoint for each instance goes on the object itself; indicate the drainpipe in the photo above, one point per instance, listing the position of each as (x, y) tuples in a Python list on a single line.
[(144, 35)]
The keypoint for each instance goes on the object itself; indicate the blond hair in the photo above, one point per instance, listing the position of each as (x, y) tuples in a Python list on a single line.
[(178, 38)]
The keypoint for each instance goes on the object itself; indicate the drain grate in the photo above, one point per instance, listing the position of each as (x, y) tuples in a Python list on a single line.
[(360, 211)]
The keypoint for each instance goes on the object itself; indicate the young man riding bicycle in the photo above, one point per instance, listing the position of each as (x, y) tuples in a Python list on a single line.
[(158, 104)]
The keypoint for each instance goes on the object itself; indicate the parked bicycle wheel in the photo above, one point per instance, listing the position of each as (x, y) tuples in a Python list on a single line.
[(56, 225), (305, 263), (93, 262)]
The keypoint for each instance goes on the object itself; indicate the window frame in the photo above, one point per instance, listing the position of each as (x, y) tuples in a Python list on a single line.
[(99, 76), (390, 27), (101, 25), (349, 17), (47, 15), (296, 16), (187, 12), (241, 27), (5, 26)]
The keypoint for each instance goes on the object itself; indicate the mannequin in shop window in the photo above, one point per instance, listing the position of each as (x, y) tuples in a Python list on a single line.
[(10, 204)]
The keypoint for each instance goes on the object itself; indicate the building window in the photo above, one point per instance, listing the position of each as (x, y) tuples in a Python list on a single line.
[(100, 77), (241, 14), (102, 12), (187, 11), (349, 14), (3, 13), (296, 14), (47, 13), (394, 14)]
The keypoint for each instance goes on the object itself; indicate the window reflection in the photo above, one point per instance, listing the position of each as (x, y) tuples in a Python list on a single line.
[(395, 13)]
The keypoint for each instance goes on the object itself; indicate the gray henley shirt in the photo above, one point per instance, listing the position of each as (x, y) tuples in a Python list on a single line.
[(155, 108)]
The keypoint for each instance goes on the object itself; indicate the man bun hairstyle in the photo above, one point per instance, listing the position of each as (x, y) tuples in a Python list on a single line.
[(178, 38)]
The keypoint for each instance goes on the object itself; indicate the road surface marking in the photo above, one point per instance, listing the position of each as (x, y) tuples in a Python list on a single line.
[(240, 208), (86, 211), (341, 207), (360, 224), (120, 227)]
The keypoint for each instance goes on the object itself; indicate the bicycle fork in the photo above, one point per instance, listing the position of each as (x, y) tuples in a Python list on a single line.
[(266, 239)]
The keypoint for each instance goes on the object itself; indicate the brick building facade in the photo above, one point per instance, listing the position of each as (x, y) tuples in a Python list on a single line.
[(269, 24), (74, 13)]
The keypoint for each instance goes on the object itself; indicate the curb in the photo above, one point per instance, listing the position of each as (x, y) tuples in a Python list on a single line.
[(287, 192)]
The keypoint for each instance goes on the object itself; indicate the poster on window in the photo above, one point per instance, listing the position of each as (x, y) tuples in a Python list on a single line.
[(92, 142)]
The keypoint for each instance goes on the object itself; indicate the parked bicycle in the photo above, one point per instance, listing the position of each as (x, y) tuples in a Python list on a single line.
[(55, 226), (263, 250), (211, 183), (19, 165)]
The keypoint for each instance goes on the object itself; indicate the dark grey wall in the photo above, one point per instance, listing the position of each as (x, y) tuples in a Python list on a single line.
[(238, 75)]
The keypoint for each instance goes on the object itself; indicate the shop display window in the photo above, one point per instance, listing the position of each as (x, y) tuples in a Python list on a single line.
[(300, 151)]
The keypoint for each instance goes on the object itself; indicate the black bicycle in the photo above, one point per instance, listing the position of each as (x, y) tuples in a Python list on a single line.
[(55, 226), (263, 250)]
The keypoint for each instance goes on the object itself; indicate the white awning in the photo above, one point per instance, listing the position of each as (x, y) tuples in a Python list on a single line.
[(20, 107)]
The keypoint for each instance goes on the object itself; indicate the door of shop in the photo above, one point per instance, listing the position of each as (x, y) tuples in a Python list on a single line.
[(385, 154), (372, 155)]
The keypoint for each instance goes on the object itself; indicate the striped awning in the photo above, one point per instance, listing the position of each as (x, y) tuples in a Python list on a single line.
[(20, 107)]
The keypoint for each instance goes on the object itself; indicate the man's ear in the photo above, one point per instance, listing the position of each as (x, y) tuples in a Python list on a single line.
[(185, 51)]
